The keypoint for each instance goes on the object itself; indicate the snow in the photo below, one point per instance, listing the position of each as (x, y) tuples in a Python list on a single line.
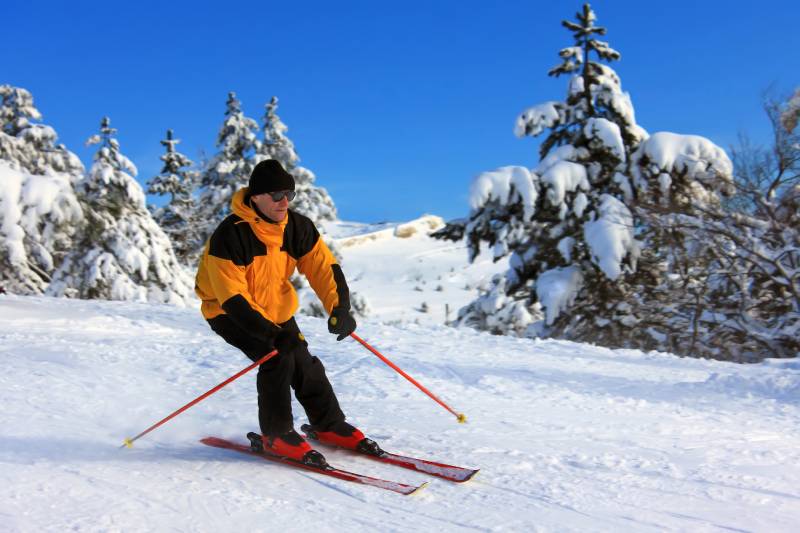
[(568, 437), (610, 237), (575, 52), (421, 226), (536, 119), (611, 94), (556, 289), (580, 204), (564, 247), (564, 177), (575, 85), (405, 269), (10, 230), (607, 134), (27, 202), (498, 184), (696, 156)]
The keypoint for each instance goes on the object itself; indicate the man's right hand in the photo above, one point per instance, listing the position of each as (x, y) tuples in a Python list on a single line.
[(286, 341)]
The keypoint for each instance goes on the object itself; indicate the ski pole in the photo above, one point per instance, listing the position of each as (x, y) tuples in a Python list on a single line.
[(459, 416), (129, 442)]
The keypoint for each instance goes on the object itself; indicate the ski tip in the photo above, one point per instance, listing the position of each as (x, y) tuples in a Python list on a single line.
[(418, 488), (470, 476), (214, 441)]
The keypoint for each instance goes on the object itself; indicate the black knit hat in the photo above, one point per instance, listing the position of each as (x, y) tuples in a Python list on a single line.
[(270, 176)]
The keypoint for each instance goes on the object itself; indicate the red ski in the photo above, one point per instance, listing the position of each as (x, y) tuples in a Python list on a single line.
[(327, 471), (449, 472)]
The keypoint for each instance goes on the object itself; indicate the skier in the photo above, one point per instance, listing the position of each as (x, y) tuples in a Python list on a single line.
[(247, 299)]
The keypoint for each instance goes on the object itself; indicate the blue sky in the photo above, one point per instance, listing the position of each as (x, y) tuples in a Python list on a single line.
[(395, 106)]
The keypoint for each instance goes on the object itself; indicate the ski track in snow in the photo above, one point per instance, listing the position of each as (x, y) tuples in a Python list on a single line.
[(568, 437)]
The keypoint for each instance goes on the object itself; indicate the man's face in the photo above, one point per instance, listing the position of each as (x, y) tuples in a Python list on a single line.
[(274, 210)]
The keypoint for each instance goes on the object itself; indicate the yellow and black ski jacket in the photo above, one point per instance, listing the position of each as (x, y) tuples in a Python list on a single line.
[(247, 262)]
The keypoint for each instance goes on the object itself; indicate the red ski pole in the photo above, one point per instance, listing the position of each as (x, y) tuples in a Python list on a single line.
[(129, 442), (459, 416)]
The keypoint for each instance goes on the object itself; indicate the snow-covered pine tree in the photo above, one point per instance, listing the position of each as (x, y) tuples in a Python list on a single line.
[(39, 211), (311, 201), (178, 218), (503, 203), (276, 144), (123, 254), (36, 150), (626, 239), (566, 224), (228, 170)]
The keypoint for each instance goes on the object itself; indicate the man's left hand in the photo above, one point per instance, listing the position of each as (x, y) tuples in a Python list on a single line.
[(341, 323)]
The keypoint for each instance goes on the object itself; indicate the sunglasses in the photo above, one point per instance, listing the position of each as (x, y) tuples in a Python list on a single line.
[(277, 196)]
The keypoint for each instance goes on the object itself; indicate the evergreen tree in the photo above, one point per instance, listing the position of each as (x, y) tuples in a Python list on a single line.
[(311, 201), (178, 218), (276, 144), (36, 150), (566, 224), (609, 236), (229, 170), (39, 212), (122, 253)]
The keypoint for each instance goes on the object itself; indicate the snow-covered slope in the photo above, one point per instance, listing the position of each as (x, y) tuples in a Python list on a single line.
[(407, 276), (568, 437)]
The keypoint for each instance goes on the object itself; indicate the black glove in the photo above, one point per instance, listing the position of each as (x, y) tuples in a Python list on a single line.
[(286, 341), (267, 330), (341, 323)]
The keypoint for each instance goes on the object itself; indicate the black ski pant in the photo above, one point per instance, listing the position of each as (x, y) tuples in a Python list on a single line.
[(297, 369)]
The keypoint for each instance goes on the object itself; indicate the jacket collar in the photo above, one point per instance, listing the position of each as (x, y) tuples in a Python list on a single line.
[(268, 231)]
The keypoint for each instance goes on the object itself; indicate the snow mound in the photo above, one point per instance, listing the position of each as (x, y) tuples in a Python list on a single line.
[(423, 225)]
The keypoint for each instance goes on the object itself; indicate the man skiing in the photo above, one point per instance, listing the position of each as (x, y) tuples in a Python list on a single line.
[(248, 300)]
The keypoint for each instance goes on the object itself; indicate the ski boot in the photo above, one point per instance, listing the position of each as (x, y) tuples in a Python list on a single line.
[(346, 436), (289, 445)]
